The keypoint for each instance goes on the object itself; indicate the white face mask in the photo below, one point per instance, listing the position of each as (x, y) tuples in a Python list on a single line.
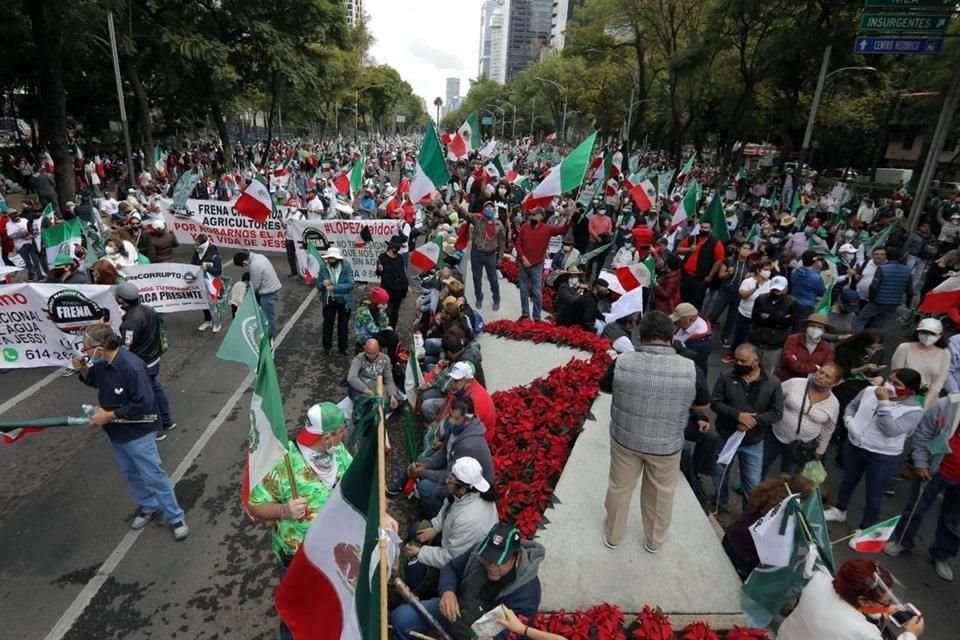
[(892, 390), (573, 282), (110, 251), (382, 307), (814, 333), (765, 274), (927, 340)]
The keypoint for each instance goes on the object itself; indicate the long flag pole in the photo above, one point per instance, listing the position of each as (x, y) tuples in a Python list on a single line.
[(382, 495)]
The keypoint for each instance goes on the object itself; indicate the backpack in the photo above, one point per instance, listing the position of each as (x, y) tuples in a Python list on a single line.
[(477, 321)]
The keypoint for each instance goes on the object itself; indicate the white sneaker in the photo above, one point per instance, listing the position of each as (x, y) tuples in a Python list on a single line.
[(180, 530), (852, 542), (143, 518), (216, 328), (893, 548), (206, 325), (834, 515), (943, 570)]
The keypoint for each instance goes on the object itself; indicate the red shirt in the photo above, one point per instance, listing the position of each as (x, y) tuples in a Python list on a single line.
[(950, 467), (532, 243), (690, 264)]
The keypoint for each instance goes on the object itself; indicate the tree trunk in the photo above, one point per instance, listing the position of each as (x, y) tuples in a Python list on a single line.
[(46, 25), (221, 125), (143, 113), (273, 110)]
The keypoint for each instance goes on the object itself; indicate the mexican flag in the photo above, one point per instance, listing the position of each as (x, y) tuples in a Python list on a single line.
[(773, 534), (635, 275), (688, 206), (9, 437), (267, 440), (714, 216), (349, 182), (426, 256), (489, 149), (243, 339), (495, 169), (872, 539), (431, 169), (62, 238), (644, 195), (566, 176), (332, 589), (687, 167), (255, 202), (414, 377), (945, 298), (466, 139), (312, 268)]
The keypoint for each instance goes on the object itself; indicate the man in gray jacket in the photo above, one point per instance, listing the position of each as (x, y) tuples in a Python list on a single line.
[(264, 282), (653, 390)]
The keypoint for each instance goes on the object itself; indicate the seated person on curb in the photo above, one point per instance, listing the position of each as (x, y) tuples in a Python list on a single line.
[(461, 434), (455, 350), (694, 333), (464, 519), (365, 367), (500, 570), (463, 384)]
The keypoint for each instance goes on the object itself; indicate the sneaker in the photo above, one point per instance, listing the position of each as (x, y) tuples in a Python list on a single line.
[(852, 542), (727, 359), (393, 489), (893, 548), (523, 318), (180, 530), (607, 543), (479, 304), (142, 519), (943, 570), (216, 328), (889, 491), (725, 343), (496, 306), (170, 427), (649, 549), (160, 436), (206, 325), (66, 372), (835, 515)]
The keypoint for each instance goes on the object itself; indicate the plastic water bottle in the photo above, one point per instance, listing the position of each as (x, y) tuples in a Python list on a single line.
[(418, 348), (89, 410)]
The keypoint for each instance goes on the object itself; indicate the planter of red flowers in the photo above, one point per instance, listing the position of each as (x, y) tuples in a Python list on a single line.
[(511, 271)]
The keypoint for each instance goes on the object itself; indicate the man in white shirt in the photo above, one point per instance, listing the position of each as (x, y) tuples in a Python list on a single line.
[(693, 332), (314, 206), (109, 206)]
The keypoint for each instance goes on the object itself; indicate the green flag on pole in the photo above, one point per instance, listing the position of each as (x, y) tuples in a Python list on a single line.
[(242, 341), (714, 216)]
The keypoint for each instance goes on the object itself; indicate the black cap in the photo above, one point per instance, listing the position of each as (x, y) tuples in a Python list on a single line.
[(502, 541)]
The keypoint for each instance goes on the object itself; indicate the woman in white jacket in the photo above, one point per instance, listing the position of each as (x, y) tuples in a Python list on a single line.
[(879, 421), (464, 519), (855, 605)]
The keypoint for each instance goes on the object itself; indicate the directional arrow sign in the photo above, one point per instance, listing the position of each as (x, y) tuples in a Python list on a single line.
[(897, 46), (909, 4), (904, 22)]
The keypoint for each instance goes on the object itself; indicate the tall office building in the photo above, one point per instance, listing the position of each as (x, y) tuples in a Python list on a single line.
[(354, 11), (453, 89), (563, 12), (486, 35), (526, 34), (498, 45)]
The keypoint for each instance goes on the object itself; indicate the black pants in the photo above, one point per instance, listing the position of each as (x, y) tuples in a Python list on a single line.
[(693, 290), (341, 314), (393, 309), (292, 258)]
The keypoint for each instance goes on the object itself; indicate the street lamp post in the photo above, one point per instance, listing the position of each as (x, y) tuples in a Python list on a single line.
[(356, 104), (513, 133), (123, 108), (818, 93), (503, 118), (493, 116), (533, 114), (563, 119)]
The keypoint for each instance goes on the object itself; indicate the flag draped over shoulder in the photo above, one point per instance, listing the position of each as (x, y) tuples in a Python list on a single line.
[(331, 590)]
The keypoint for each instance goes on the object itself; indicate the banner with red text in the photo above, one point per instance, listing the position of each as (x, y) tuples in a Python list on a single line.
[(169, 287), (225, 227), (348, 235)]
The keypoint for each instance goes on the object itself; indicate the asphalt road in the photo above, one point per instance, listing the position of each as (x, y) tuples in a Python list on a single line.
[(69, 568)]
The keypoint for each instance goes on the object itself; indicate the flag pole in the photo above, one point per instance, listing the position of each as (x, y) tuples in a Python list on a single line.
[(382, 496), (290, 476)]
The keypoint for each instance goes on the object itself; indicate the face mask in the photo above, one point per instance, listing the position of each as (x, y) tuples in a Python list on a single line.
[(814, 333), (110, 251), (489, 213), (573, 282), (817, 386), (502, 192), (875, 609), (333, 263), (765, 274), (742, 369), (382, 307), (927, 340), (97, 359), (534, 223), (567, 248)]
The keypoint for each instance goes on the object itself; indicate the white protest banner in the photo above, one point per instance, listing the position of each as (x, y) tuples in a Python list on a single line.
[(346, 234), (773, 533), (42, 325), (6, 272), (170, 287), (225, 227)]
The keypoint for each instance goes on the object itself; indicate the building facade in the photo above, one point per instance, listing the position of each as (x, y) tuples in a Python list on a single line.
[(486, 34), (514, 34), (563, 12), (354, 11)]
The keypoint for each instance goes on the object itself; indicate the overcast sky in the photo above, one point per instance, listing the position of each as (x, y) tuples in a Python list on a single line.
[(427, 41)]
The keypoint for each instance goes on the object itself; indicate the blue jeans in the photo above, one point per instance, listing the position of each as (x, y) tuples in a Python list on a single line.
[(946, 540), (879, 469), (741, 329), (432, 494), (874, 316), (268, 301), (433, 349), (163, 405), (751, 472), (139, 461), (531, 277), (282, 564), (31, 259), (405, 619), (481, 261)]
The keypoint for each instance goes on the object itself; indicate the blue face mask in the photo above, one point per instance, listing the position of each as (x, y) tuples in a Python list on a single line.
[(489, 213), (95, 359)]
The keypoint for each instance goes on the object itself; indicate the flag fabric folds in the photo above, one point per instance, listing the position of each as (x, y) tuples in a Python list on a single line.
[(431, 171), (566, 176), (62, 238), (243, 339), (872, 539), (255, 202)]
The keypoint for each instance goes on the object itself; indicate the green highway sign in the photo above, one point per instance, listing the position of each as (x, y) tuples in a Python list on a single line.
[(904, 22), (909, 4)]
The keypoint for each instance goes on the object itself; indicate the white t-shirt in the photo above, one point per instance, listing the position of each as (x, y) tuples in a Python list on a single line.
[(315, 209), (863, 286), (746, 304), (109, 206), (698, 327), (17, 231)]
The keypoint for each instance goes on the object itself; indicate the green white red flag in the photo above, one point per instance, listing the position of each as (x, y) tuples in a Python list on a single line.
[(466, 139), (431, 170), (426, 256), (566, 176), (255, 202), (872, 539)]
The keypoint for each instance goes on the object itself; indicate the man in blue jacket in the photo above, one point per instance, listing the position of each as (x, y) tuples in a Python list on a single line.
[(807, 286), (892, 283), (500, 570), (336, 284)]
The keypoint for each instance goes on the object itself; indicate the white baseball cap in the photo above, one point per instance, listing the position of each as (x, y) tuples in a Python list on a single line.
[(848, 248), (779, 283), (931, 325), (461, 371), (469, 472)]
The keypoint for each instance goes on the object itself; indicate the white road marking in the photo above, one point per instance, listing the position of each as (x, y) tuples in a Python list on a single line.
[(29, 391), (86, 595)]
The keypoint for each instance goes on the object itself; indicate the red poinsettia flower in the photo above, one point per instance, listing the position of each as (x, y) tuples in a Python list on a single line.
[(743, 633), (699, 631)]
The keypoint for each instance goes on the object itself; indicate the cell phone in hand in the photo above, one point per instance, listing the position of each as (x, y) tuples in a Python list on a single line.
[(903, 615)]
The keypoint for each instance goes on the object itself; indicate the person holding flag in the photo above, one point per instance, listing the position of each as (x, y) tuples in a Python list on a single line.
[(318, 459), (935, 459), (488, 242), (532, 241), (264, 283)]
